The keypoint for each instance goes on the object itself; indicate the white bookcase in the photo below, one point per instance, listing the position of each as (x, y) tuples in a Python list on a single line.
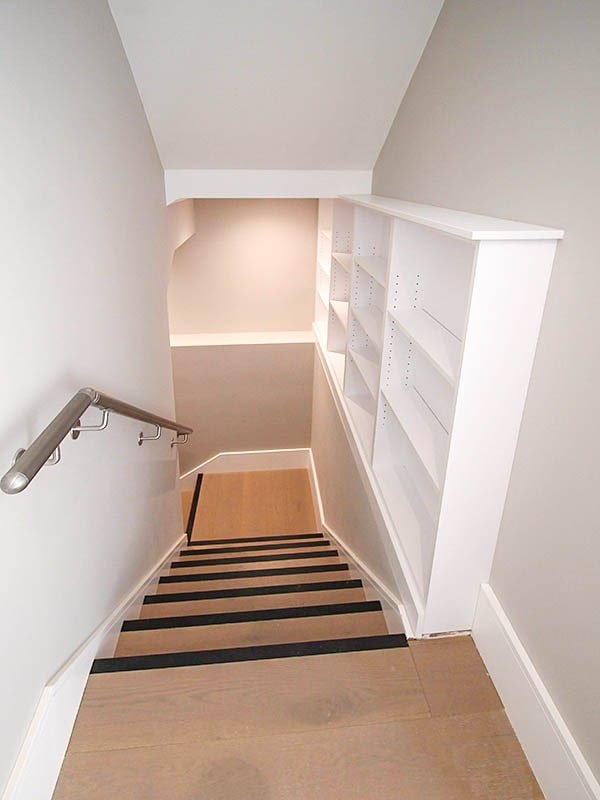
[(432, 326)]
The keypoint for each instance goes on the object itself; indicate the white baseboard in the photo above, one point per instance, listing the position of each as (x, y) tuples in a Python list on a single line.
[(558, 763), (252, 461), (387, 596), (40, 758)]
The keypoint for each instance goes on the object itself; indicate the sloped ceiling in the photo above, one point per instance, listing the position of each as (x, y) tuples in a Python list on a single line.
[(272, 84)]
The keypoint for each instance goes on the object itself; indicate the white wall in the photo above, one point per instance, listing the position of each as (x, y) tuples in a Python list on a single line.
[(502, 118), (83, 248), (249, 267), (181, 223)]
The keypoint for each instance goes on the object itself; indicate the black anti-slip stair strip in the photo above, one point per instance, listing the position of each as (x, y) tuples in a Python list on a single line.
[(253, 573), (250, 539), (207, 562), (251, 591), (206, 551), (255, 653), (260, 615)]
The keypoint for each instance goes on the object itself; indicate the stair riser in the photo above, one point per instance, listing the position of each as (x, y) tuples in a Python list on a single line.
[(262, 555), (254, 548)]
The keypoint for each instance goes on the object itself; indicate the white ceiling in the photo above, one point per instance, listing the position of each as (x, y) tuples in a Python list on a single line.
[(272, 84)]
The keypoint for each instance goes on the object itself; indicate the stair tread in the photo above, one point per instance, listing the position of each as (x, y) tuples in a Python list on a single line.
[(272, 556), (242, 539), (265, 580), (285, 612), (247, 699), (249, 603), (248, 634), (252, 573), (250, 548), (251, 653), (253, 565), (248, 591)]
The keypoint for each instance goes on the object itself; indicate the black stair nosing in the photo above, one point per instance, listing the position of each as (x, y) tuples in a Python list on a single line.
[(252, 653), (206, 551), (206, 562), (257, 615), (251, 539), (252, 591), (253, 573)]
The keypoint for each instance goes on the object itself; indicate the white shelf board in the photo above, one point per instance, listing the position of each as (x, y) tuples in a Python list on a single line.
[(323, 297), (375, 266), (325, 269), (327, 233), (362, 411), (338, 363), (344, 260), (370, 319), (368, 369), (430, 337), (340, 308), (409, 411), (411, 519), (463, 224)]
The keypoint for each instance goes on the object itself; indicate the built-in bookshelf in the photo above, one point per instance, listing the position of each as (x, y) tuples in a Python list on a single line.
[(433, 317)]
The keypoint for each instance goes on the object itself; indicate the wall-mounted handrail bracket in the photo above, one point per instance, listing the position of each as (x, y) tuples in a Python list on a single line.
[(45, 450), (79, 428), (142, 438), (178, 440)]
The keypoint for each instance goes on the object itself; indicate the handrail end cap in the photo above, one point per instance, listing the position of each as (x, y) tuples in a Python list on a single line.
[(14, 482)]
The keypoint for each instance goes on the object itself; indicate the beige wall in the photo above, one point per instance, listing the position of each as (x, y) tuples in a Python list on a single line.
[(84, 253), (243, 397), (250, 267), (503, 117)]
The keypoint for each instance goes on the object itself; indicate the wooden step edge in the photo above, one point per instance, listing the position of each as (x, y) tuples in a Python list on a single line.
[(252, 573), (245, 548), (259, 615), (206, 562), (250, 539), (251, 591), (253, 653)]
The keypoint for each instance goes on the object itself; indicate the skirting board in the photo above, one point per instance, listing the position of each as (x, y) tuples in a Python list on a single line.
[(39, 761), (387, 596), (250, 461), (558, 763)]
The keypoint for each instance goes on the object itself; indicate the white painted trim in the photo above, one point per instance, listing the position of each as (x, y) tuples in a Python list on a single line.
[(40, 758), (181, 184), (557, 762), (384, 592), (252, 461), (252, 337)]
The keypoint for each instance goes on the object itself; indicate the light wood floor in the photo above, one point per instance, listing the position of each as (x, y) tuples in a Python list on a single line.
[(422, 722)]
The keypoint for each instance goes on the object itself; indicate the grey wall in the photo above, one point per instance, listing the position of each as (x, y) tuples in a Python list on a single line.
[(249, 267), (243, 397), (503, 117), (84, 257)]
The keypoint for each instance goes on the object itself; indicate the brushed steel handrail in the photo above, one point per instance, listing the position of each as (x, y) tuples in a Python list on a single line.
[(46, 448)]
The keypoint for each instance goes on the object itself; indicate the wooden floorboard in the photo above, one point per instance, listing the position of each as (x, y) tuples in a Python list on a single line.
[(266, 503)]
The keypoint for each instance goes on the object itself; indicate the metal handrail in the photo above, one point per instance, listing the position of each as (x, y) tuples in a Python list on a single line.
[(46, 448)]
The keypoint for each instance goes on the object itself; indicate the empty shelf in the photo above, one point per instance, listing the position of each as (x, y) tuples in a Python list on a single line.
[(340, 309), (427, 437), (362, 411), (440, 346), (344, 260), (368, 369), (375, 266), (370, 318)]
